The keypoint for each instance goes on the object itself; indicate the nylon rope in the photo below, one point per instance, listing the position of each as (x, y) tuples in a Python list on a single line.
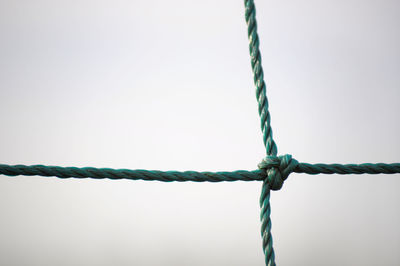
[(273, 170), (269, 143)]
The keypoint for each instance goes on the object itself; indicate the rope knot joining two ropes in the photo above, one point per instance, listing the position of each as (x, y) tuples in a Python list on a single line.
[(277, 169)]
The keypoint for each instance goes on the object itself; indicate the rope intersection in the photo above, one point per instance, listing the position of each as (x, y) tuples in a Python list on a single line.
[(273, 170)]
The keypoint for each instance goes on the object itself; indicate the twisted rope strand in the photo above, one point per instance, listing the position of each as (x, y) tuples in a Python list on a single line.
[(346, 169), (265, 117), (101, 173), (184, 176), (261, 90)]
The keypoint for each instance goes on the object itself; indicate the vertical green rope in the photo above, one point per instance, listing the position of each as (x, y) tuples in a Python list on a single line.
[(270, 146)]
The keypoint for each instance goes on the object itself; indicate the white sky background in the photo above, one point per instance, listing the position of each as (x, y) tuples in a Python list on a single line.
[(168, 85)]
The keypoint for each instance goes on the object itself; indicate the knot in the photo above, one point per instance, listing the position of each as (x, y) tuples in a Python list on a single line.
[(277, 169)]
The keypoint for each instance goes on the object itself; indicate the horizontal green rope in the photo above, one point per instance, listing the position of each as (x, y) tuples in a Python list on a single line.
[(346, 169), (167, 176), (101, 173), (276, 169)]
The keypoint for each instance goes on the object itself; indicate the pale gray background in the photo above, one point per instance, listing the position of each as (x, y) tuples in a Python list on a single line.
[(168, 85)]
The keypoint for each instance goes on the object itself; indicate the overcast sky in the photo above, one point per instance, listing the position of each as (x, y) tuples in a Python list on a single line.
[(167, 85)]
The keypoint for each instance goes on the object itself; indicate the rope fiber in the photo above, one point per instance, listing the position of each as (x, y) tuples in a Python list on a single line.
[(273, 170)]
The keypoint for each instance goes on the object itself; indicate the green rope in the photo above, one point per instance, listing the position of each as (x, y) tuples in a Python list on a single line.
[(284, 164), (269, 143), (101, 173), (273, 170)]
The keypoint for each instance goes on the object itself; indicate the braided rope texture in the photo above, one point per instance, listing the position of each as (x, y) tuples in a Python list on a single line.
[(269, 143), (273, 170), (102, 173), (282, 166)]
